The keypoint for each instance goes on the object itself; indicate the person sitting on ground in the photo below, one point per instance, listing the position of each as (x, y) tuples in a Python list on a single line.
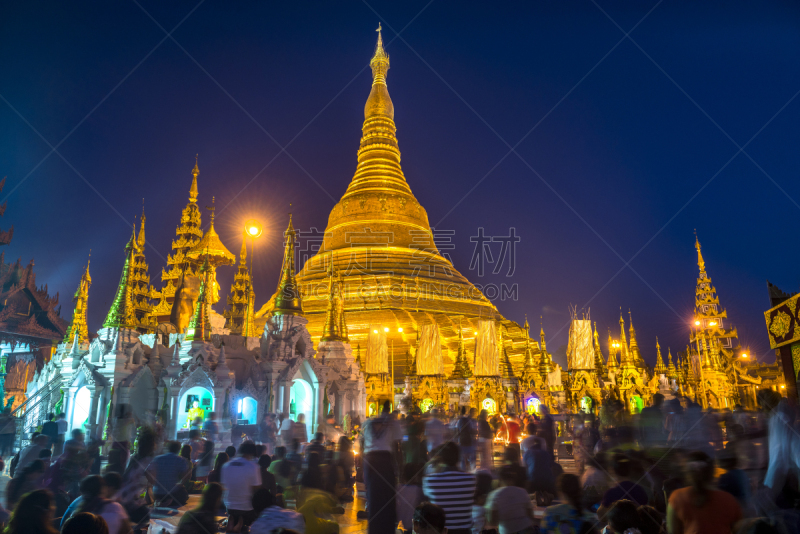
[(203, 519), (429, 518), (625, 488), (214, 474), (33, 514), (314, 502), (623, 518), (27, 480), (135, 481), (281, 468), (272, 517), (204, 462), (168, 472), (45, 455), (241, 477), (267, 478), (31, 452), (113, 483), (509, 506), (93, 500), (230, 450), (451, 489), (699, 508), (316, 445), (571, 513), (85, 523)]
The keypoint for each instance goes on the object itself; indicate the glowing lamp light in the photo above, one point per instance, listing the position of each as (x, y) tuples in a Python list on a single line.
[(374, 331), (782, 387), (697, 323), (744, 355), (385, 328), (712, 323), (400, 329), (253, 228)]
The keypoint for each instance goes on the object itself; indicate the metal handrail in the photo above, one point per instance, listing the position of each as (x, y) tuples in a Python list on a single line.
[(46, 388), (44, 394)]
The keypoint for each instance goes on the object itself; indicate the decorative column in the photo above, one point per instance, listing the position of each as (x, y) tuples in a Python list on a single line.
[(321, 403), (95, 391), (73, 390), (287, 399)]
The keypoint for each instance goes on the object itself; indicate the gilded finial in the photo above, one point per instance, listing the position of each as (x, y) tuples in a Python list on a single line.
[(193, 188), (700, 262), (380, 61)]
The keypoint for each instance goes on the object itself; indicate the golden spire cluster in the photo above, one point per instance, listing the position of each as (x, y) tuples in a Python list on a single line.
[(241, 299), (461, 368), (660, 368), (612, 353), (199, 328), (77, 325), (187, 235), (599, 364)]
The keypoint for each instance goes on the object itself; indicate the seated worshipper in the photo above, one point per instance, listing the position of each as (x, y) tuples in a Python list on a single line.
[(33, 514), (623, 518), (115, 464), (45, 455), (230, 450), (93, 500), (316, 445), (282, 469), (570, 516), (135, 482), (345, 462), (594, 479), (272, 517), (452, 489), (625, 488), (203, 519), (214, 474), (430, 519), (204, 462), (85, 523), (241, 477), (168, 473), (700, 509), (409, 494), (267, 478), (511, 458), (314, 502), (27, 480), (509, 506)]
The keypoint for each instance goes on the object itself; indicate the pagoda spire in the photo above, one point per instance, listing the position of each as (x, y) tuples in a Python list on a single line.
[(141, 290), (635, 355), (331, 331), (121, 314), (240, 311), (599, 364), (700, 262), (187, 236), (288, 300), (625, 356), (543, 344), (545, 361), (77, 326), (672, 372), (199, 328), (612, 353), (660, 368), (461, 368)]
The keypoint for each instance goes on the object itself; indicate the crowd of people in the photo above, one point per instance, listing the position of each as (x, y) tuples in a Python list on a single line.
[(673, 468)]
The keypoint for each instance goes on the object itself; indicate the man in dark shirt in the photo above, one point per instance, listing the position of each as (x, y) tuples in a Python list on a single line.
[(316, 446), (50, 429)]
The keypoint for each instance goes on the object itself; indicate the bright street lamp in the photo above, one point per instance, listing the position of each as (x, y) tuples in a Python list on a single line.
[(744, 355), (253, 228), (697, 323)]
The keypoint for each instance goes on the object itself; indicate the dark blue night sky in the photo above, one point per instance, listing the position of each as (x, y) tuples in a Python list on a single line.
[(622, 146)]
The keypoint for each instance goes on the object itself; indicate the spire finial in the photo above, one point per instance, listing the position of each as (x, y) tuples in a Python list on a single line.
[(380, 61), (193, 188), (700, 262)]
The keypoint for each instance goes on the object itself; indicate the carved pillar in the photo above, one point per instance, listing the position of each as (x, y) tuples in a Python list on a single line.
[(172, 426), (287, 392), (320, 404), (95, 391), (71, 413)]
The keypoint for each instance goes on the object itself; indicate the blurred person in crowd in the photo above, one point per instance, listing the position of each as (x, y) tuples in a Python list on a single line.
[(571, 516), (509, 506), (452, 489)]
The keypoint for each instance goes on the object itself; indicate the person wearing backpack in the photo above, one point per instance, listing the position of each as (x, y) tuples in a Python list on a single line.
[(466, 438)]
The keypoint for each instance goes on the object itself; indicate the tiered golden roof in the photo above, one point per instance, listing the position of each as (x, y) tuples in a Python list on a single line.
[(78, 323), (188, 234), (287, 299), (122, 313), (199, 328), (660, 368), (139, 278)]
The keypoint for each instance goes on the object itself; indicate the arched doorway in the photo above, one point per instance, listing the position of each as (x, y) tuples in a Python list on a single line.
[(301, 401), (195, 402), (532, 405), (81, 408), (247, 410)]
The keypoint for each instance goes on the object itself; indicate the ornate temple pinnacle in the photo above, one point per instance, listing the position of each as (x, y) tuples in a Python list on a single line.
[(193, 188), (287, 297), (700, 262), (380, 61), (243, 252)]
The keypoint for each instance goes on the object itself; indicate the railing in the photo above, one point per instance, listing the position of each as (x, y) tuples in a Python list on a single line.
[(29, 413)]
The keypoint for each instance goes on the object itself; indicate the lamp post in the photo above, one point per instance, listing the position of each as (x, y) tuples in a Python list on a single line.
[(254, 229)]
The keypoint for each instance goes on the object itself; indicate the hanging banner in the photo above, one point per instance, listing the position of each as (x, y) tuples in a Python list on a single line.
[(580, 348), (429, 351), (487, 358), (377, 352)]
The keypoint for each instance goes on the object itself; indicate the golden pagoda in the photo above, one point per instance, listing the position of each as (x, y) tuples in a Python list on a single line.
[(379, 240), (141, 290), (77, 325), (122, 313), (240, 312), (660, 368), (187, 235), (598, 355)]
